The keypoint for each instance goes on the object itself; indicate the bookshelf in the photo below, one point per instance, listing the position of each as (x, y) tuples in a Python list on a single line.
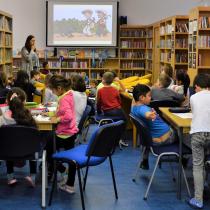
[(174, 42), (199, 41), (149, 49), (6, 44), (133, 42)]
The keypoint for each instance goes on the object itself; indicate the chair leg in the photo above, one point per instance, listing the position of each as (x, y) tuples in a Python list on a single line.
[(151, 179), (44, 182), (86, 132), (186, 182), (138, 166), (113, 177), (85, 178), (172, 172), (80, 188), (53, 186)]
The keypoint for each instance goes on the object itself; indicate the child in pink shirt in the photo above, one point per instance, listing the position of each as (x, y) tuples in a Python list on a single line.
[(66, 130)]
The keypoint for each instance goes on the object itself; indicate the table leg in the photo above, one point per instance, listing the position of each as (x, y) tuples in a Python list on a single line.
[(180, 135)]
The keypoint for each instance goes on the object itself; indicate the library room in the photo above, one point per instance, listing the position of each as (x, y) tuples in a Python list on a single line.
[(104, 104)]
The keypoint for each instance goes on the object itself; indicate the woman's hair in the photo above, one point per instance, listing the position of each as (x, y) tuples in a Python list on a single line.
[(59, 81), (27, 43), (3, 80), (16, 99), (185, 79), (22, 78), (78, 83)]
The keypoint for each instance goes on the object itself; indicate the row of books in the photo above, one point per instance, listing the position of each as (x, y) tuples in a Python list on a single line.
[(182, 43), (8, 40), (132, 54), (182, 27), (149, 44), (131, 65), (133, 33), (149, 65), (149, 33), (165, 57), (8, 24), (1, 22), (165, 43), (204, 22), (130, 44), (204, 41), (181, 57), (149, 55), (95, 75), (192, 60), (192, 43), (167, 29)]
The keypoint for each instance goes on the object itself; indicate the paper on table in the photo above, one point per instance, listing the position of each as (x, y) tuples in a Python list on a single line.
[(184, 115), (51, 109), (41, 118)]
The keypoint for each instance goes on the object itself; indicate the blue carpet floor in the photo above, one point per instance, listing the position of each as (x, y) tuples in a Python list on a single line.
[(99, 193)]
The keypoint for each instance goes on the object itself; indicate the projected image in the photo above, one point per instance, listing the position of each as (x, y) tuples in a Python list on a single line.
[(82, 24)]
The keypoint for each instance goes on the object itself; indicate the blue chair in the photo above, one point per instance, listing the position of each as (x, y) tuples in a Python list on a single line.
[(101, 146), (24, 143), (171, 150)]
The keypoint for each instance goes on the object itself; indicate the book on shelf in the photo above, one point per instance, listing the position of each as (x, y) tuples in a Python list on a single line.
[(204, 22), (8, 24), (204, 41), (182, 27), (1, 22), (8, 40)]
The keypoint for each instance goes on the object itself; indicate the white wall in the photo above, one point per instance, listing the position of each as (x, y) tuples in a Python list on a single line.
[(29, 15)]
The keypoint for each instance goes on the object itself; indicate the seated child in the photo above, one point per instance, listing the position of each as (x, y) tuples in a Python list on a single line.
[(22, 81), (35, 79), (85, 77), (182, 86), (45, 70), (49, 96), (18, 114), (108, 98), (108, 101), (163, 92), (161, 132), (93, 85), (167, 70), (3, 86)]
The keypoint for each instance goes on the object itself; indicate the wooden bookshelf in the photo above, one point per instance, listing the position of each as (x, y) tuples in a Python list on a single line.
[(199, 41), (6, 42), (174, 42), (133, 42)]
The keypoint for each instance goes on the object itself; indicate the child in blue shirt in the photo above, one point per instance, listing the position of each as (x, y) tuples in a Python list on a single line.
[(161, 132)]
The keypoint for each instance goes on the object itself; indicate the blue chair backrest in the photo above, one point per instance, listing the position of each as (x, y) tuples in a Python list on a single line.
[(143, 132), (84, 117), (18, 141), (104, 139)]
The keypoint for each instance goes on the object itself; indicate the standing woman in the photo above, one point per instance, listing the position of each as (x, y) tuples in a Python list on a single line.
[(30, 59)]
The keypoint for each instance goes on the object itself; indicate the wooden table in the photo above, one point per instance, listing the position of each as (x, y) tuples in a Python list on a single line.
[(183, 127)]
